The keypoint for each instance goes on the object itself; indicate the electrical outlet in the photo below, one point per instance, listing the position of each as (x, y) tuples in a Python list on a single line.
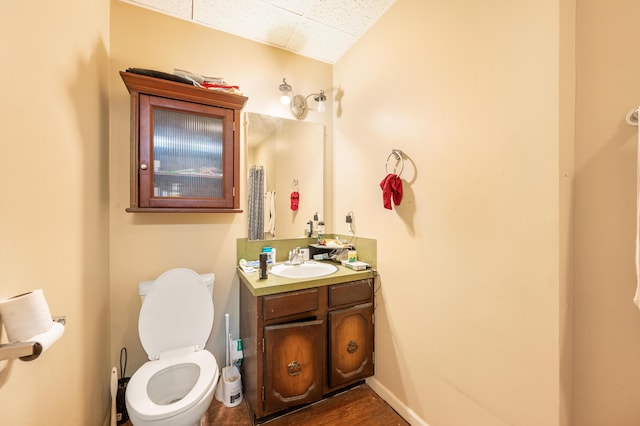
[(349, 220)]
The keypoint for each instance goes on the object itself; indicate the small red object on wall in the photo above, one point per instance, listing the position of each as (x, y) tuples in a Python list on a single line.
[(295, 199)]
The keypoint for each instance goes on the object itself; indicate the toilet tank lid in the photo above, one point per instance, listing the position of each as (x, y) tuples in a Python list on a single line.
[(144, 286)]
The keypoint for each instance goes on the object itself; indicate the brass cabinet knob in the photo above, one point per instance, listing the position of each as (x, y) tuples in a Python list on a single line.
[(294, 368)]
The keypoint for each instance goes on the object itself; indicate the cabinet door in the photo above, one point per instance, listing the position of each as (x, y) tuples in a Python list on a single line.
[(186, 155), (350, 344), (293, 364)]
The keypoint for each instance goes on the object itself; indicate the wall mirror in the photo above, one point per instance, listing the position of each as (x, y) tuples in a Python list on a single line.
[(291, 156)]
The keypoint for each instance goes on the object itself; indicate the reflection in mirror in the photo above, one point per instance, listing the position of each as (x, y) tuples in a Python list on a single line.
[(291, 154)]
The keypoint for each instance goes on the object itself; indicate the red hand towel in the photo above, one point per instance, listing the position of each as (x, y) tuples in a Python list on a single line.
[(391, 187), (396, 185), (386, 191), (295, 200)]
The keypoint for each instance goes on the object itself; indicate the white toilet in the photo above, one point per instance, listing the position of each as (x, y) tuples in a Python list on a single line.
[(176, 385)]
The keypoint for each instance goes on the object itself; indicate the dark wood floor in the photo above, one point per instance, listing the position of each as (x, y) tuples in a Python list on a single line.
[(357, 406)]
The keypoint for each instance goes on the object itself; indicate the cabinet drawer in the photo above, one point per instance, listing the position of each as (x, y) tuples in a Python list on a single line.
[(285, 304), (349, 293)]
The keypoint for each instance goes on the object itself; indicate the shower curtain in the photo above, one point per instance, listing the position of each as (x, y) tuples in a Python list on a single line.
[(256, 203)]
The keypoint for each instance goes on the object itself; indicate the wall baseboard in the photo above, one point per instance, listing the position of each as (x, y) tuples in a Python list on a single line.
[(407, 413)]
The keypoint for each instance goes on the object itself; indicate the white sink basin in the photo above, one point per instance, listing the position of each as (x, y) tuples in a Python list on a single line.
[(305, 270)]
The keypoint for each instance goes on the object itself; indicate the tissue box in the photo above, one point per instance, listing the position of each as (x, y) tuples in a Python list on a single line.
[(356, 266)]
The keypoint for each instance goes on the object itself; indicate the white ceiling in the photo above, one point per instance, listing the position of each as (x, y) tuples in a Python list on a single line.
[(319, 29)]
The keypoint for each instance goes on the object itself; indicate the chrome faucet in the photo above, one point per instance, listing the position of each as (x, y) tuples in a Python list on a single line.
[(295, 257)]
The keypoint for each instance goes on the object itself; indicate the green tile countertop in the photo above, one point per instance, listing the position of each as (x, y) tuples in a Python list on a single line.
[(274, 284)]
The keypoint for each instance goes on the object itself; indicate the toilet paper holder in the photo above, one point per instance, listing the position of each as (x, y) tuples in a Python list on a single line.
[(26, 351)]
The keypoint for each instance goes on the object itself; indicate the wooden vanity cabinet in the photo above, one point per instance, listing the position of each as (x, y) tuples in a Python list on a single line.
[(302, 345), (185, 147)]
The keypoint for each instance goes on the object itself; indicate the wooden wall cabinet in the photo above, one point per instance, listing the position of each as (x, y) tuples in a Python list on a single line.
[(185, 147), (301, 345)]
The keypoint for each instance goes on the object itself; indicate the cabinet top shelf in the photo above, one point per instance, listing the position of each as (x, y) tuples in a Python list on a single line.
[(138, 83)]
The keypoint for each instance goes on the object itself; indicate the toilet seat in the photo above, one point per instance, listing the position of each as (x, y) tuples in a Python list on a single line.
[(137, 391)]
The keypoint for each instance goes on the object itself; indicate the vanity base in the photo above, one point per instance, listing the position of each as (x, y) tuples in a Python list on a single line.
[(305, 345)]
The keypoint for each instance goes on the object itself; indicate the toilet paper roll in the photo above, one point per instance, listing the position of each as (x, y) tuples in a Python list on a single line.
[(48, 338), (25, 316)]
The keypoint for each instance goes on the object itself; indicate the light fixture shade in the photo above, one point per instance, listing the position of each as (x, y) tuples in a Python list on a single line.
[(285, 92), (320, 98)]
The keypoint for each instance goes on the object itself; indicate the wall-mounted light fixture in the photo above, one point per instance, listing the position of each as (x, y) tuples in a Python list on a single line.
[(298, 103)]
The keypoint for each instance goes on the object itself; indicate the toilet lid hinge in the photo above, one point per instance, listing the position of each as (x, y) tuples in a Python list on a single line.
[(178, 352)]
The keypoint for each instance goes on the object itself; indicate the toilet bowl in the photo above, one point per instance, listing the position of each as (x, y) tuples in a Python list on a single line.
[(176, 385)]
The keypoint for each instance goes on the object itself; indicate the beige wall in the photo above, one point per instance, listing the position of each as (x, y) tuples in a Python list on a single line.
[(468, 318), (607, 342), (144, 245), (54, 229)]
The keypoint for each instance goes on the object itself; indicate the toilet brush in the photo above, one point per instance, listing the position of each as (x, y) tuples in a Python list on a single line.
[(226, 337), (114, 391), (219, 394)]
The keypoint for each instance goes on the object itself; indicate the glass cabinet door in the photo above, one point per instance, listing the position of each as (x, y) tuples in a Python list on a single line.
[(186, 154)]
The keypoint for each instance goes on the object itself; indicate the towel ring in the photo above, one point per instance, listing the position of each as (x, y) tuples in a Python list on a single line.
[(397, 154), (295, 185)]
